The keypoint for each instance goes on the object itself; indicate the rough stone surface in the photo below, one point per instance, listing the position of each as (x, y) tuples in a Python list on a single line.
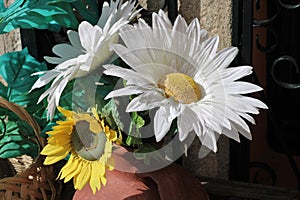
[(10, 41), (215, 17), (190, 9)]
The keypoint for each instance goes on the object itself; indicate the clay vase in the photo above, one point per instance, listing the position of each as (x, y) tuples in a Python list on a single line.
[(172, 182)]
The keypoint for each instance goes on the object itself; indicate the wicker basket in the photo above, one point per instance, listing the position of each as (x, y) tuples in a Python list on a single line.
[(37, 181)]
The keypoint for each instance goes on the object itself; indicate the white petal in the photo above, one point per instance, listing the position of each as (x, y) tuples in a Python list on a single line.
[(131, 37), (104, 14), (45, 79), (253, 102), (127, 56), (46, 93), (235, 73), (194, 36), (162, 123), (180, 26), (129, 90), (132, 77), (209, 139), (240, 105), (239, 87), (246, 133), (231, 133), (238, 122), (54, 60), (165, 20), (66, 51), (185, 122), (86, 32), (58, 91), (211, 117), (146, 101), (225, 57), (203, 151), (210, 45), (67, 64), (247, 117), (74, 39), (117, 25)]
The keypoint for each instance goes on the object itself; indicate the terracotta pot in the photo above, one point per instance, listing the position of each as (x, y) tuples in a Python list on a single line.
[(169, 183)]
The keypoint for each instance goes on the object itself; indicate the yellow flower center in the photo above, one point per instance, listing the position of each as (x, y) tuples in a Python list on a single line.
[(86, 143), (181, 87)]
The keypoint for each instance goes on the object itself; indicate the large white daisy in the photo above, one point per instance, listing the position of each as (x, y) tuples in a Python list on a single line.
[(178, 70), (89, 49)]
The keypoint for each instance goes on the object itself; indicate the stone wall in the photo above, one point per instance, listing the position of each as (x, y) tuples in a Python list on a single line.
[(11, 41), (215, 17)]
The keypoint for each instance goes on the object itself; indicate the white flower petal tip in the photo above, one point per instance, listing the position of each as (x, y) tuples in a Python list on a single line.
[(162, 51)]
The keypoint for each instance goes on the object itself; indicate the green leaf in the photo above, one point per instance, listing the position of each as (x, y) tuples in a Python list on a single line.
[(134, 136), (40, 14), (89, 10), (111, 115), (16, 69), (147, 152), (82, 93), (17, 140)]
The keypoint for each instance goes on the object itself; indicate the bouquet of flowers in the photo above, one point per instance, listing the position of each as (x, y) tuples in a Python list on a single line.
[(119, 81)]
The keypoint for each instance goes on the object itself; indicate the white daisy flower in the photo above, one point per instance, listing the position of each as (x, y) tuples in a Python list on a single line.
[(178, 70), (89, 49)]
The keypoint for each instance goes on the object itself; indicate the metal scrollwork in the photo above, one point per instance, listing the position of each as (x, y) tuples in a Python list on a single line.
[(265, 22), (280, 32), (282, 83), (269, 48), (289, 6)]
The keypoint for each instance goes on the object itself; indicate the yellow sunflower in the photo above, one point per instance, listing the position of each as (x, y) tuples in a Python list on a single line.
[(88, 141)]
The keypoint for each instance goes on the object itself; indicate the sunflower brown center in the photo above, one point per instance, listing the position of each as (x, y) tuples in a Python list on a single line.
[(87, 144), (181, 87)]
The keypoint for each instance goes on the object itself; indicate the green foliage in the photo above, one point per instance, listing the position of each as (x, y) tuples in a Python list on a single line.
[(17, 138), (40, 14), (134, 137), (148, 153), (15, 71), (89, 10), (83, 93), (111, 115)]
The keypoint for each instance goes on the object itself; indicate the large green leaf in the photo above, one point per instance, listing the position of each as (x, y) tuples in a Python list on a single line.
[(16, 139), (16, 69), (40, 14)]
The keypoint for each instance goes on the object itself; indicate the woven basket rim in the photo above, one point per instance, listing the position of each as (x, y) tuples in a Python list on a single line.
[(38, 180)]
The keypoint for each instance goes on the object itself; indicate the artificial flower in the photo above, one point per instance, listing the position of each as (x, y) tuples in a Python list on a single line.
[(89, 49), (88, 142), (178, 70)]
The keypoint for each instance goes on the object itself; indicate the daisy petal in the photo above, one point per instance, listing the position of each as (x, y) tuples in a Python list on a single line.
[(239, 87), (162, 123), (125, 92), (185, 123), (154, 99)]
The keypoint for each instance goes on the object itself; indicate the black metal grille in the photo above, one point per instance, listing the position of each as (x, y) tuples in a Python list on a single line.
[(282, 51)]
